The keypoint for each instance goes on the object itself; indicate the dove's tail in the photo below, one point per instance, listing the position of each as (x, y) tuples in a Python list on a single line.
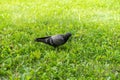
[(43, 39), (39, 40)]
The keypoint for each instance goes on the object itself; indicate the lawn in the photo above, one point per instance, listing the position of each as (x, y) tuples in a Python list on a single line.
[(92, 53)]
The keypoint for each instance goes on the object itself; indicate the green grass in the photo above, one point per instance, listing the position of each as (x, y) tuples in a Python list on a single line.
[(92, 53)]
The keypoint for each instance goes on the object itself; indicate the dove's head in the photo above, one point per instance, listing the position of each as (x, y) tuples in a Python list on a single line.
[(67, 35)]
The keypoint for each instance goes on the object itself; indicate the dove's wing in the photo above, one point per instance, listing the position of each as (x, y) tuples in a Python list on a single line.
[(58, 40)]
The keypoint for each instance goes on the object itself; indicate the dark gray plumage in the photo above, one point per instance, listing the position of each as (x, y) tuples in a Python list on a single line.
[(55, 40)]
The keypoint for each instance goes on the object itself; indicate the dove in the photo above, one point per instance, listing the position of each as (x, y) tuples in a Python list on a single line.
[(55, 40)]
